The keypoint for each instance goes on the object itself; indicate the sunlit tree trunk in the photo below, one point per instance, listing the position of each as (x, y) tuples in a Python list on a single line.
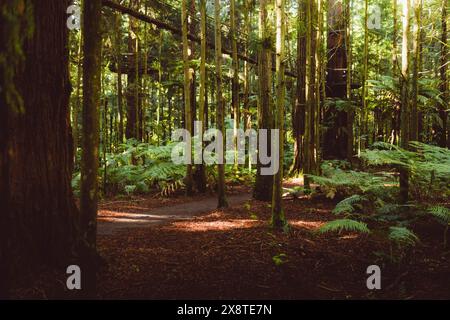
[(220, 116), (247, 118), (395, 115), (278, 219), (77, 106), (235, 80), (317, 86), (414, 131), (132, 76), (443, 137), (187, 89), (405, 114), (350, 113), (119, 77), (309, 97), (201, 175), (365, 111)]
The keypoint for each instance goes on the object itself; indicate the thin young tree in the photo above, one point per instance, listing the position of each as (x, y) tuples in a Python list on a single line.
[(278, 218), (235, 80), (220, 114), (414, 131), (201, 174), (405, 114), (309, 98), (77, 105), (443, 137)]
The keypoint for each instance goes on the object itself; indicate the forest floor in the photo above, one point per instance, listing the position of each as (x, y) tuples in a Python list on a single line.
[(205, 253)]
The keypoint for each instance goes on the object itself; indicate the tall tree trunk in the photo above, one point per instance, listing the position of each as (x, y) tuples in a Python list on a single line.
[(414, 132), (278, 219), (193, 83), (119, 77), (264, 183), (131, 130), (38, 216), (443, 137), (187, 91), (309, 98), (318, 57), (351, 112), (201, 174), (405, 114), (90, 138), (235, 80), (247, 118), (365, 112), (77, 105), (298, 116), (335, 136), (395, 115), (222, 201)]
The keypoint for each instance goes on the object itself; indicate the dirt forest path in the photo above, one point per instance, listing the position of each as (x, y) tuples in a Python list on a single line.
[(157, 216)]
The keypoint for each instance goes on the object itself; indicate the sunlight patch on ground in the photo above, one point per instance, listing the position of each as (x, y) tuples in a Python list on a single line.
[(298, 180), (349, 237), (117, 216), (310, 225), (221, 225), (113, 219)]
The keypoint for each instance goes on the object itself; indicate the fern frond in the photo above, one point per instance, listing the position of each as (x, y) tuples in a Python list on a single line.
[(402, 236), (441, 213), (348, 204), (344, 225)]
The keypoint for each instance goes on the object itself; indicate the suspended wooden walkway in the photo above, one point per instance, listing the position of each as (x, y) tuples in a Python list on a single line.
[(170, 19)]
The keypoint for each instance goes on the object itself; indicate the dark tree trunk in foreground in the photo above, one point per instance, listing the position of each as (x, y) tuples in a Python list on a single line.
[(36, 154), (89, 161), (335, 137)]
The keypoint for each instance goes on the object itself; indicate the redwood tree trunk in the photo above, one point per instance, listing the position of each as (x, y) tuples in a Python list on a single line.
[(336, 140), (36, 154), (298, 115)]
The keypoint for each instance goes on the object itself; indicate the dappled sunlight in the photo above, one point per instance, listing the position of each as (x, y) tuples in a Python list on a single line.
[(349, 236), (310, 225), (296, 181), (124, 220), (134, 218), (218, 225)]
